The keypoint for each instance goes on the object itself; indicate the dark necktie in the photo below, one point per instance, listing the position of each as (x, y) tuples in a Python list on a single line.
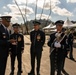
[(7, 32)]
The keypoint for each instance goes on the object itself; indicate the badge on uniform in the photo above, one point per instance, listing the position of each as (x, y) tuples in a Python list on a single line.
[(38, 37), (19, 39), (4, 35)]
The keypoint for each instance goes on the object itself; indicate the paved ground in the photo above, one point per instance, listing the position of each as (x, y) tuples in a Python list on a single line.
[(70, 66)]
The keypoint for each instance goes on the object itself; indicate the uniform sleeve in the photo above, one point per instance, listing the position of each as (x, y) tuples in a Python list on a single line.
[(50, 42), (10, 45), (43, 39), (22, 42), (31, 36)]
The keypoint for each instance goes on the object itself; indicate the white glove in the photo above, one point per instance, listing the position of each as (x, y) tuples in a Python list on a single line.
[(57, 44)]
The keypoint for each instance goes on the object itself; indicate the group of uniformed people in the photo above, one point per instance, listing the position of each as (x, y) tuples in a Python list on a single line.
[(59, 44)]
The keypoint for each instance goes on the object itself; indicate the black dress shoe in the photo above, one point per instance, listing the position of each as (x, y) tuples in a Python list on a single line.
[(38, 74), (20, 71), (65, 73), (31, 73), (72, 58), (12, 73)]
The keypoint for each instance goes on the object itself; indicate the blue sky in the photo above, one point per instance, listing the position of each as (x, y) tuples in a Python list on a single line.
[(60, 9)]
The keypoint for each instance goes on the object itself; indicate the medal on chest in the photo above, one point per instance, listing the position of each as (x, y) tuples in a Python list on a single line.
[(38, 37), (19, 39)]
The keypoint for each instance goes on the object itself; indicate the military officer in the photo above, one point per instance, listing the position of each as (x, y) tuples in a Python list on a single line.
[(16, 49), (4, 42), (58, 44), (70, 41), (37, 38)]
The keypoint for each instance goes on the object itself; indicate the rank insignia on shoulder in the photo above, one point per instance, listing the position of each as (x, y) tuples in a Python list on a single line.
[(38, 37), (19, 38)]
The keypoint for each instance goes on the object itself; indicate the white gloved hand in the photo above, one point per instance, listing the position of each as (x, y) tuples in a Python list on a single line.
[(57, 44)]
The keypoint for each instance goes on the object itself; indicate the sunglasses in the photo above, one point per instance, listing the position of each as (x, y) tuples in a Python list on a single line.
[(8, 19)]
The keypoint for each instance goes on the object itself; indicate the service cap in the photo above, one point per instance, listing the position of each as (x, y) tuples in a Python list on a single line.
[(16, 25), (59, 22), (36, 22), (7, 18)]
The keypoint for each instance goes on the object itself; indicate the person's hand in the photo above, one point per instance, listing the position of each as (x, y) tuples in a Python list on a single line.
[(68, 52), (10, 53), (57, 45), (22, 51), (12, 40)]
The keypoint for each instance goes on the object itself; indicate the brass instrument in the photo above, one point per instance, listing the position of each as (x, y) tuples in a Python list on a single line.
[(59, 38)]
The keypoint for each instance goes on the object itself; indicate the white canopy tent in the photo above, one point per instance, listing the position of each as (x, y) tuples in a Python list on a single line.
[(72, 26), (47, 27), (67, 23)]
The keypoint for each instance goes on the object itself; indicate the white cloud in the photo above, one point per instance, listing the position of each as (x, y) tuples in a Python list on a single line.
[(15, 13), (15, 9), (47, 3), (71, 1), (44, 16), (4, 7), (54, 6), (62, 12), (23, 1)]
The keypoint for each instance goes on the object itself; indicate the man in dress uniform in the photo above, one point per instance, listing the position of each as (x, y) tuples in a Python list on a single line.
[(16, 49), (4, 42), (37, 38), (58, 44), (70, 40)]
